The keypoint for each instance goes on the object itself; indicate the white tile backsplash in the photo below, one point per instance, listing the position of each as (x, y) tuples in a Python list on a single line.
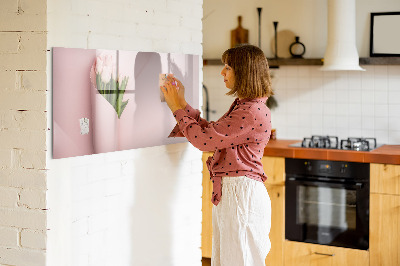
[(343, 103)]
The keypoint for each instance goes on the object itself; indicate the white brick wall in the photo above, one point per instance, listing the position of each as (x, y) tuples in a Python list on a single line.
[(135, 207), (23, 132)]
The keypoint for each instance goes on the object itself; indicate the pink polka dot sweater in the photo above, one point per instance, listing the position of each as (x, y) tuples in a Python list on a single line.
[(238, 139)]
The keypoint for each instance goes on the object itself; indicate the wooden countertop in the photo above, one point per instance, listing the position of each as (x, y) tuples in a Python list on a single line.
[(389, 154)]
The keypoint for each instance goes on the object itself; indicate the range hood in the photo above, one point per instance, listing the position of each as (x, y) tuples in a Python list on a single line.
[(341, 51)]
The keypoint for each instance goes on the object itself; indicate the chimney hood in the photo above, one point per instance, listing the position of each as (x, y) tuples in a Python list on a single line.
[(341, 51)]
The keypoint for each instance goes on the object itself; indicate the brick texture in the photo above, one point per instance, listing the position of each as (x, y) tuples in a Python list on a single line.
[(23, 125)]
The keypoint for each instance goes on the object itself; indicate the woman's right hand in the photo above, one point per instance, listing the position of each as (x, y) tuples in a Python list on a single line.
[(181, 91)]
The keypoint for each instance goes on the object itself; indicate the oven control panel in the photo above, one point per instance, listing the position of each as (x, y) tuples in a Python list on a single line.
[(337, 169)]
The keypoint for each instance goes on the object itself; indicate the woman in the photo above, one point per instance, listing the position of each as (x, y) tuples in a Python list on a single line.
[(242, 208)]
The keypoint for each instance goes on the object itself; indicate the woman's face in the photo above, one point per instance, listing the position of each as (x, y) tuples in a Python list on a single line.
[(229, 76)]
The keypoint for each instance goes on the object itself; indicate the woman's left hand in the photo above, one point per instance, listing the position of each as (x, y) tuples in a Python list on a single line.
[(171, 95)]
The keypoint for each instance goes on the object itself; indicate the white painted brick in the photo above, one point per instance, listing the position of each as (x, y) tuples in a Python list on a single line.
[(168, 19), (176, 7), (128, 168), (8, 197), (33, 159), (108, 28), (98, 40), (33, 7), (32, 42), (114, 186), (196, 10), (17, 256), (165, 46), (180, 34), (79, 176), (191, 48), (80, 228), (23, 178), (135, 17), (196, 37), (33, 239), (191, 23), (113, 170), (31, 61), (9, 237), (35, 120), (7, 80), (31, 80), (33, 199), (154, 32), (22, 218), (23, 100), (97, 172), (8, 6), (11, 138), (98, 222), (149, 6), (31, 53), (23, 22), (5, 159), (9, 42)]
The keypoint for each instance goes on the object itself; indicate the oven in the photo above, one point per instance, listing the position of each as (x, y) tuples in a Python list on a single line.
[(327, 202)]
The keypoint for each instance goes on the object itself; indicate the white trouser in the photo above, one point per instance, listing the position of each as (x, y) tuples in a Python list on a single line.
[(241, 223)]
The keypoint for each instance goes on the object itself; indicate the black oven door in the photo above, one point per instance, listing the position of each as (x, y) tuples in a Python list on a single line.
[(327, 212)]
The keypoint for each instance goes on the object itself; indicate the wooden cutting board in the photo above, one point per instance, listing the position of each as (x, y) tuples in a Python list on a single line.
[(239, 35)]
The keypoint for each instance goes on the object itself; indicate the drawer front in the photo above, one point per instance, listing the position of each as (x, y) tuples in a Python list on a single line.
[(297, 253)]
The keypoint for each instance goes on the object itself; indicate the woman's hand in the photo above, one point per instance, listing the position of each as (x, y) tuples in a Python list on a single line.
[(172, 96), (181, 92)]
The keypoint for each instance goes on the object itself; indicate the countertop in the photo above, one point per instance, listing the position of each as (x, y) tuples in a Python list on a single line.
[(389, 154)]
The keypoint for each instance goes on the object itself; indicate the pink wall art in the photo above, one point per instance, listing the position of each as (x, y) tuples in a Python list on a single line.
[(110, 100)]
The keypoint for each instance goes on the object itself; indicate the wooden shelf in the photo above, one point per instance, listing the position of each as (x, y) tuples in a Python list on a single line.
[(273, 63), (380, 61)]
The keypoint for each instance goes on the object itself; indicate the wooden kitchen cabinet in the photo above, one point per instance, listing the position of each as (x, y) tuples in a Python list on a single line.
[(385, 178), (384, 236), (206, 225), (274, 168), (305, 254), (277, 233)]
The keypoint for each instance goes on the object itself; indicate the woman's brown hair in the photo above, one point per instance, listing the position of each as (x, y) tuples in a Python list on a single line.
[(250, 66)]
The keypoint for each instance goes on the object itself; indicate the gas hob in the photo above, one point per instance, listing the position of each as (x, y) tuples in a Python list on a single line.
[(332, 142)]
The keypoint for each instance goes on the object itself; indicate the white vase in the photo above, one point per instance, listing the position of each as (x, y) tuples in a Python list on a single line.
[(104, 117)]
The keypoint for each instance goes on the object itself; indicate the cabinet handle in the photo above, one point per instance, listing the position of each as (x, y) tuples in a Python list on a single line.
[(324, 254)]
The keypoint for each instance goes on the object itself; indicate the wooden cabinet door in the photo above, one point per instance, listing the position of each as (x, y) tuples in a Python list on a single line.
[(384, 236), (385, 178), (274, 168), (277, 233), (206, 226), (304, 254)]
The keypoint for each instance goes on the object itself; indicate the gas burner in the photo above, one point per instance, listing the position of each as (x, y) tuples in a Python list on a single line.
[(327, 142), (358, 144), (332, 142)]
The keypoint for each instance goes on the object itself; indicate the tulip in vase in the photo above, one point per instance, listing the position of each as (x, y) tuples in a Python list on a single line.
[(107, 101)]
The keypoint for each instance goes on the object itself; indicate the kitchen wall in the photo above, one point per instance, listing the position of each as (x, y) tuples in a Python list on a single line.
[(342, 103), (134, 207)]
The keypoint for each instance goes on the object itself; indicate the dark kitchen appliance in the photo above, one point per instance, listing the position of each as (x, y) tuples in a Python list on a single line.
[(327, 202), (332, 142)]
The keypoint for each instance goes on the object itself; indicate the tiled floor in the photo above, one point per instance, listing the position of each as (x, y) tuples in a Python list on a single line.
[(206, 261)]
